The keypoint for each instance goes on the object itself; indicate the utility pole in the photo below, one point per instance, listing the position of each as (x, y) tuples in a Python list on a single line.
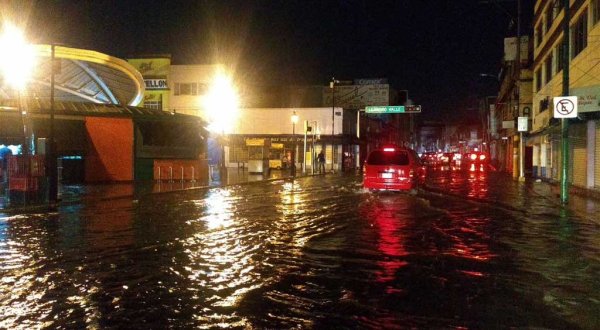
[(332, 85), (564, 189), (518, 83)]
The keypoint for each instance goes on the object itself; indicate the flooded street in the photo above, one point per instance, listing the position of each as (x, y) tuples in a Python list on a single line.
[(472, 250)]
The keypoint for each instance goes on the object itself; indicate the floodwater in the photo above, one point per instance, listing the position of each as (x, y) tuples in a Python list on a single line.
[(476, 250)]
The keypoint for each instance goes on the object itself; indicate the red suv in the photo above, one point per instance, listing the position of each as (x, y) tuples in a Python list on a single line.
[(393, 168)]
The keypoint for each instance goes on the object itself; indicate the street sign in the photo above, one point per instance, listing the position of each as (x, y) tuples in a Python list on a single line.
[(385, 109), (394, 109), (522, 124), (565, 107)]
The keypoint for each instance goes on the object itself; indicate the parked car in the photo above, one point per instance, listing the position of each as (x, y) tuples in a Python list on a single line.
[(393, 168)]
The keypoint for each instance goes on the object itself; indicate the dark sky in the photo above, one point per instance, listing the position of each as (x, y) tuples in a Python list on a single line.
[(436, 49)]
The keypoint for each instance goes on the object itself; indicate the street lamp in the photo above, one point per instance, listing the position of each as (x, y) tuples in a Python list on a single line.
[(221, 104), (17, 61), (332, 86), (294, 121)]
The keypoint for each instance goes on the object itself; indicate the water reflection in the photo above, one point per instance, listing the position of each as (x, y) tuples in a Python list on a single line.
[(390, 216)]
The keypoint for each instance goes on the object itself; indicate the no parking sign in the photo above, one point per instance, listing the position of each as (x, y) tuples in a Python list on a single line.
[(565, 106)]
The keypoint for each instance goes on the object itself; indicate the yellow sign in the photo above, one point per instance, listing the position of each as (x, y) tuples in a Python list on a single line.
[(152, 67), (277, 145), (255, 142)]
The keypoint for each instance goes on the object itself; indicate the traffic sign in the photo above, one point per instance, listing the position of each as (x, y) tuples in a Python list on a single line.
[(522, 124), (565, 107), (385, 109)]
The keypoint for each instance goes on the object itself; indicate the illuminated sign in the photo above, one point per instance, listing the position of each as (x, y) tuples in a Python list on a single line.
[(156, 83), (255, 142)]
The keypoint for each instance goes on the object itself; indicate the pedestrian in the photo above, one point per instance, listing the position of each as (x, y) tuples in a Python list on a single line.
[(321, 160)]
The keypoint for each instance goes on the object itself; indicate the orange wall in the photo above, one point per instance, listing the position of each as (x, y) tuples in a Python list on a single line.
[(110, 151)]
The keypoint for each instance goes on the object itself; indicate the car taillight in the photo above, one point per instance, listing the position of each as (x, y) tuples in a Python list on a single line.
[(411, 173), (473, 156), (482, 157)]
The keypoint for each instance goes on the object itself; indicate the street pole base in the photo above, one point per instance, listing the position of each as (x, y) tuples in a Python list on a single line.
[(521, 179)]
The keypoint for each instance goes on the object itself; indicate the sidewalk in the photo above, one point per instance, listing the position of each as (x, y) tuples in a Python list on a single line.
[(505, 191), (241, 175)]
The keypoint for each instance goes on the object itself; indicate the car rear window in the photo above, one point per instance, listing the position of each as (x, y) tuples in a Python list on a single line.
[(379, 157)]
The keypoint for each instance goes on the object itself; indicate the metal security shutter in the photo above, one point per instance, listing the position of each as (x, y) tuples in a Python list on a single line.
[(597, 157), (578, 155)]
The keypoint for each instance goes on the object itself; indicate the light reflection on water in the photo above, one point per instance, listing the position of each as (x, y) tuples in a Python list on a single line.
[(311, 253)]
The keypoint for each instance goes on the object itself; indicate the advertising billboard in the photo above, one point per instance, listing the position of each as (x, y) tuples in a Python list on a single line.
[(357, 96)]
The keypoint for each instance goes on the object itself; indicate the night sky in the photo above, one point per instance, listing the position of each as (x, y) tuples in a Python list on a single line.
[(436, 49)]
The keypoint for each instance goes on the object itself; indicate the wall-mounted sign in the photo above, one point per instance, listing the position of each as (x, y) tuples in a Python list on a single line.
[(506, 124), (156, 83), (588, 98), (255, 142)]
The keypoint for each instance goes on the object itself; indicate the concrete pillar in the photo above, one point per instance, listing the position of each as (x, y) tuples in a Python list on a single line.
[(591, 152), (543, 159), (536, 160), (515, 151)]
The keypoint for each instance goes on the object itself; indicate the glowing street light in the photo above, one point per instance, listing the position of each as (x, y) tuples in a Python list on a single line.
[(294, 122), (17, 58), (221, 106)]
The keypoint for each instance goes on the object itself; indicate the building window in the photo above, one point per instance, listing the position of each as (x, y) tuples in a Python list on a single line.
[(538, 35), (538, 80), (548, 67), (595, 11), (579, 35), (559, 56), (157, 105), (549, 16), (557, 6), (190, 88)]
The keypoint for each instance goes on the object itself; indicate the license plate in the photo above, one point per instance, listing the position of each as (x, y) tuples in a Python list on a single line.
[(386, 175)]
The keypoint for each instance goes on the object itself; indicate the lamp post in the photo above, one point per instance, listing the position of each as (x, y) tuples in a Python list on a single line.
[(332, 86), (221, 104), (51, 154), (17, 60), (294, 121)]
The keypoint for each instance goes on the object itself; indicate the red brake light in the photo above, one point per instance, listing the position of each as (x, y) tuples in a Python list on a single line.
[(389, 149), (473, 156), (482, 157)]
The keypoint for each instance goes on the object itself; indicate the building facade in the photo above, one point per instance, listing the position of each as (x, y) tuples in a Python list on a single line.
[(584, 82), (514, 100)]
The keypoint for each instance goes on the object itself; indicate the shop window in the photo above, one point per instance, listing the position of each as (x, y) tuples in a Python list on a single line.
[(579, 35)]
